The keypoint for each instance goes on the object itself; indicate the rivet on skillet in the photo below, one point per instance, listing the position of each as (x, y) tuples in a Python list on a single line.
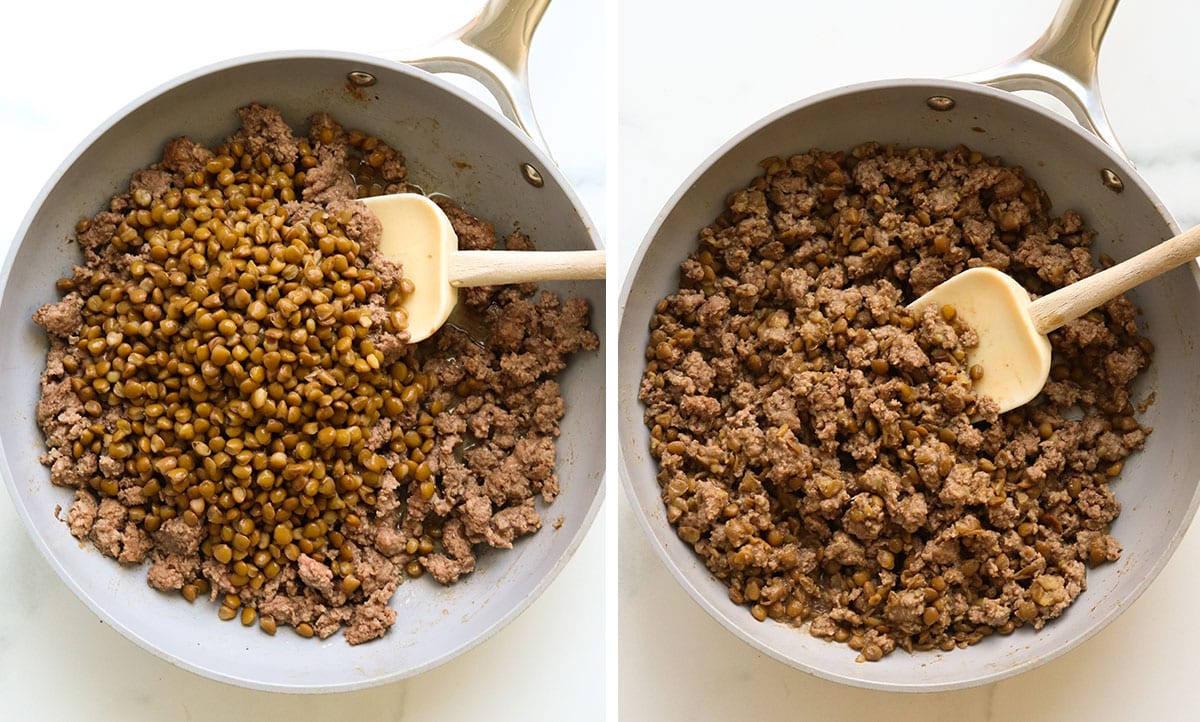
[(1111, 180), (940, 103), (532, 175), (360, 78)]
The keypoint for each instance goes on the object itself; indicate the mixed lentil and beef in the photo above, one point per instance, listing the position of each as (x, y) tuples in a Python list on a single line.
[(820, 446), (231, 393)]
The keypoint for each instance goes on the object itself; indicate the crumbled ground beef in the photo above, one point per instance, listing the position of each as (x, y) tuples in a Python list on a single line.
[(820, 446), (464, 462)]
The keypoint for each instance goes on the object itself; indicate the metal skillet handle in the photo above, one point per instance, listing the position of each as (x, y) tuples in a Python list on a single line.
[(1062, 63), (493, 48)]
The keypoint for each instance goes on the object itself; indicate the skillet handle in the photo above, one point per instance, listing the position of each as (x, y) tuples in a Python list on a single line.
[(1062, 63), (492, 48)]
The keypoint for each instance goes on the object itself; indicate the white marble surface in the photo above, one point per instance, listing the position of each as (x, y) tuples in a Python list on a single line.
[(690, 79), (65, 68)]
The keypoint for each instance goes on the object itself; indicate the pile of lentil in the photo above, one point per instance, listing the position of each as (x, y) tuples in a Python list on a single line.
[(230, 391), (820, 447)]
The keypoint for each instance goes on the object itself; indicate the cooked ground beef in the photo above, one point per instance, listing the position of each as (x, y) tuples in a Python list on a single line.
[(820, 446), (461, 439)]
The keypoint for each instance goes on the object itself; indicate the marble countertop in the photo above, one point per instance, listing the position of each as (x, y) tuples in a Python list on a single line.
[(689, 80), (66, 68)]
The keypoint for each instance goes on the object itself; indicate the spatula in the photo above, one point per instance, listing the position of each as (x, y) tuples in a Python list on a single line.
[(418, 235), (1013, 349)]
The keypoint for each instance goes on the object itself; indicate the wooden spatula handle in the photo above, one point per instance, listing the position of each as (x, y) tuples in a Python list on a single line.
[(1054, 309), (487, 268)]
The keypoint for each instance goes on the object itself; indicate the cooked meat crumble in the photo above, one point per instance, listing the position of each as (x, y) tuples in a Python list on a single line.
[(820, 447), (231, 393)]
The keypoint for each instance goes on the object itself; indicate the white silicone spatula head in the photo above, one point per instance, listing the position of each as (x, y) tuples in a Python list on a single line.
[(418, 236), (1014, 355)]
